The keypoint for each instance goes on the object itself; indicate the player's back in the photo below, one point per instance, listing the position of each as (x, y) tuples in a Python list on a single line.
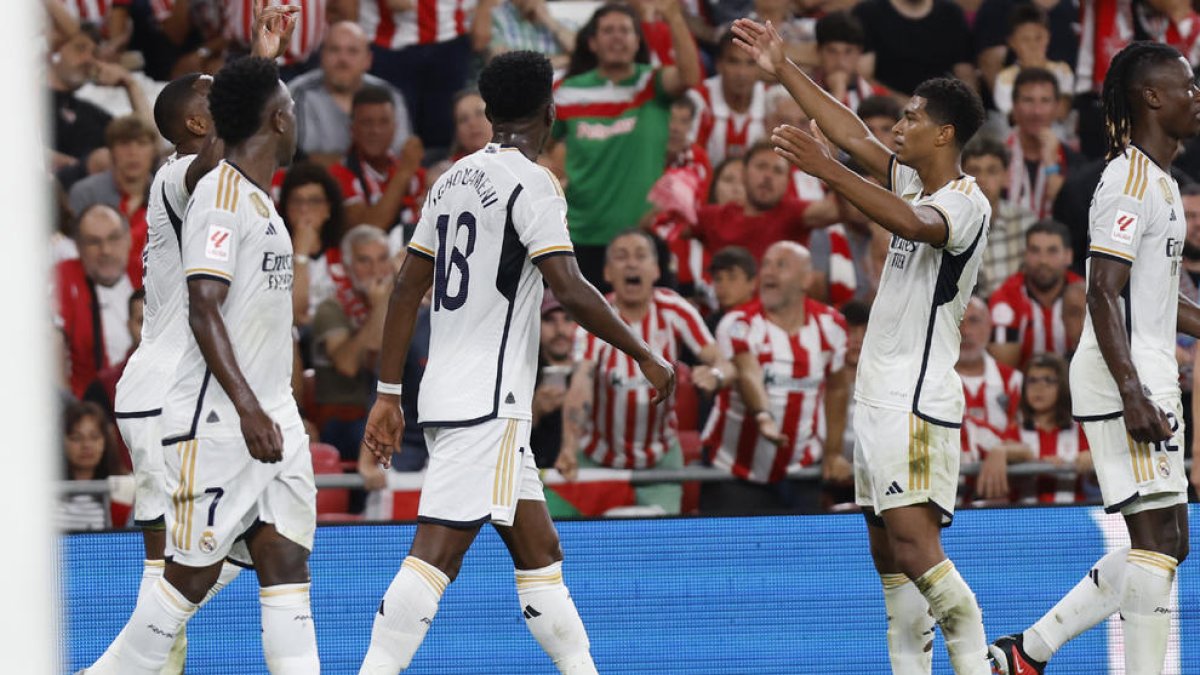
[(1136, 219), (485, 223), (912, 339), (164, 322), (233, 235)]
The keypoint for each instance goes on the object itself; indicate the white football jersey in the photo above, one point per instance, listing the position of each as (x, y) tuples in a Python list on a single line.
[(1136, 218), (164, 324), (485, 223), (232, 234), (912, 339)]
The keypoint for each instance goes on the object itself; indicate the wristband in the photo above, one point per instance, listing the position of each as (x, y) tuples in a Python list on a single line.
[(720, 377), (1052, 170), (389, 388)]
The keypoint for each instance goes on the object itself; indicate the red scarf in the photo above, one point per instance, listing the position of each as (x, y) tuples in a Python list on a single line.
[(347, 296)]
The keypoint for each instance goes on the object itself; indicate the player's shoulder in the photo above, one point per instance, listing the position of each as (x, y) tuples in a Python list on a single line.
[(226, 190), (1127, 175)]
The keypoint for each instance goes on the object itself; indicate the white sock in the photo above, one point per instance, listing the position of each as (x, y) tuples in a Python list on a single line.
[(1093, 600), (1146, 608), (958, 614), (144, 644), (152, 571), (910, 626), (288, 635), (552, 618), (404, 616), (229, 572)]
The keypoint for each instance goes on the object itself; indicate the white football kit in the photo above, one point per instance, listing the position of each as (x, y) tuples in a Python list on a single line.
[(485, 224), (148, 373), (233, 235), (910, 399), (1136, 218)]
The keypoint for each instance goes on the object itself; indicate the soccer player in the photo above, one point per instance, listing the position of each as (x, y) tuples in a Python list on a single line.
[(236, 455), (182, 117), (910, 400), (493, 226), (1124, 378)]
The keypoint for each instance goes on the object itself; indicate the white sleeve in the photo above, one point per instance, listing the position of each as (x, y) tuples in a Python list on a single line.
[(210, 239), (902, 179), (424, 239), (963, 217), (540, 217), (175, 192), (1116, 223)]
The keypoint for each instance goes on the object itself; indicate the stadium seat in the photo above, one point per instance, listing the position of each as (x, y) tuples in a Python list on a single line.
[(331, 504)]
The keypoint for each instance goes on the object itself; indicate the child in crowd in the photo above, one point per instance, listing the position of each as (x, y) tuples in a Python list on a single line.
[(1028, 40)]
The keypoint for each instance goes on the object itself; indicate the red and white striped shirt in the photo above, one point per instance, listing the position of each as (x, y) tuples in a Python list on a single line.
[(626, 432), (1065, 444), (843, 278), (310, 31), (993, 398), (430, 22), (93, 11), (722, 131), (795, 367), (689, 259), (1019, 318)]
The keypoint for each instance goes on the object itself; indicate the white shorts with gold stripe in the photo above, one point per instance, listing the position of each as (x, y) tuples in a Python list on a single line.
[(478, 473), (141, 436), (1137, 477), (217, 492), (903, 460)]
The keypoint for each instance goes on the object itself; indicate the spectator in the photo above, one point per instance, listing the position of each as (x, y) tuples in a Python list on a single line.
[(126, 185), (789, 351), (735, 280), (311, 204), (379, 188), (991, 28), (79, 125), (347, 331), (176, 38), (472, 128), (325, 96), (613, 114), (880, 114), (556, 360), (1047, 433), (728, 183), (309, 31), (111, 18), (992, 390), (93, 295), (512, 25), (88, 454), (910, 42), (657, 31), (797, 31), (1039, 309), (423, 47), (620, 428), (986, 160), (1040, 162), (841, 255), (768, 216), (840, 44), (731, 103), (1029, 40)]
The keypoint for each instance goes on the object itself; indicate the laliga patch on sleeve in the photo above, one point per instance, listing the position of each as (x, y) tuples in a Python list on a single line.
[(1124, 226), (219, 243)]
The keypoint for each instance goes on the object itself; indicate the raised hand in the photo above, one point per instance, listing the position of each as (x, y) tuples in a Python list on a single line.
[(273, 28), (762, 42), (801, 148)]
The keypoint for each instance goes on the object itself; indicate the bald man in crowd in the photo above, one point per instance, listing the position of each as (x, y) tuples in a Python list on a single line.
[(324, 96)]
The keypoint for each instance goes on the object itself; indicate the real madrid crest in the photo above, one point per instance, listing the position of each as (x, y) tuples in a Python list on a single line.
[(259, 206), (208, 541), (1164, 467), (1166, 190)]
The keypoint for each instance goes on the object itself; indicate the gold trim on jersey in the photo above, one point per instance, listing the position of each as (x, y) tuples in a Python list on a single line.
[(946, 217), (552, 249), (554, 180), (228, 188), (1109, 251), (208, 270), (918, 453), (1141, 460), (421, 249), (962, 185), (1138, 176)]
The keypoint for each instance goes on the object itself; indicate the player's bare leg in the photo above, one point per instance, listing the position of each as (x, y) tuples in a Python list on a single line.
[(910, 622), (546, 603), (914, 539), (288, 634), (411, 601)]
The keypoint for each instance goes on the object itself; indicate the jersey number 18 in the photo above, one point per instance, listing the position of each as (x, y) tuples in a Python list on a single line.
[(453, 259)]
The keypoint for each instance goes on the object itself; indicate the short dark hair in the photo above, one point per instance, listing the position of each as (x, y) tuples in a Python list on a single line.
[(129, 128), (840, 26), (1028, 76), (1062, 407), (949, 101), (308, 173), (716, 175), (879, 106), (1027, 13), (632, 232), (583, 59), (372, 94), (1050, 227), (110, 462), (757, 147), (986, 146), (856, 312), (686, 102), (725, 43), (137, 296), (731, 258), (239, 96), (516, 85), (171, 106)]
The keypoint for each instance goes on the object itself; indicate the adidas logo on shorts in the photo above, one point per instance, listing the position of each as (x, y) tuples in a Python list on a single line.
[(894, 489)]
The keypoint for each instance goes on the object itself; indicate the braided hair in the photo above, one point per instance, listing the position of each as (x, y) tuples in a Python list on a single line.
[(1126, 74)]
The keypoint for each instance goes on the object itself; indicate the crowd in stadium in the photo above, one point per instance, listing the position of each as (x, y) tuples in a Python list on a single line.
[(677, 204)]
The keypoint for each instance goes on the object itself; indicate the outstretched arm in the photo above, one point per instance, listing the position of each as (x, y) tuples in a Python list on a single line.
[(839, 123)]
